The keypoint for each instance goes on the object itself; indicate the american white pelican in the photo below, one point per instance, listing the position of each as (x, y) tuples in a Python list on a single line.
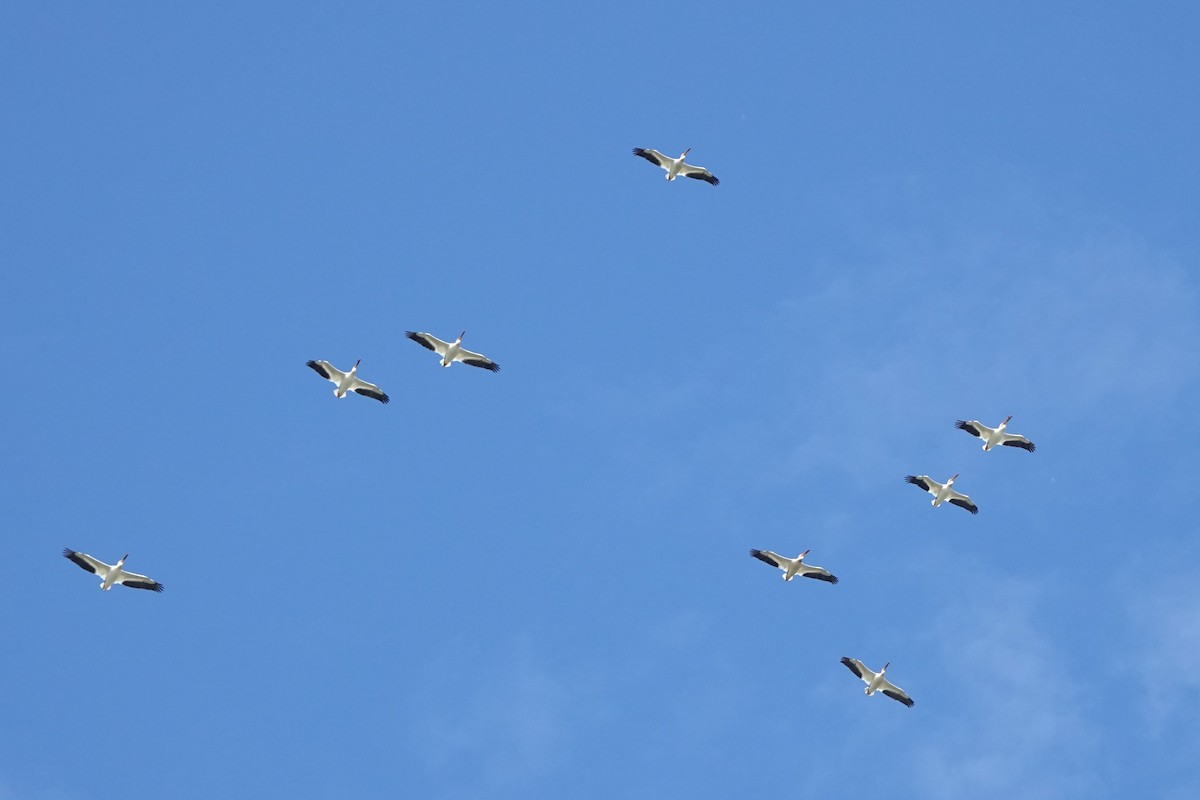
[(876, 682), (676, 166), (794, 566), (347, 381), (943, 492), (994, 436), (452, 351), (112, 573)]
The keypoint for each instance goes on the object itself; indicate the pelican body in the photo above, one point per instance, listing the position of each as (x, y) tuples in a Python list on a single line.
[(995, 436), (452, 351), (676, 166), (876, 682), (943, 492), (111, 574), (347, 381), (794, 566)]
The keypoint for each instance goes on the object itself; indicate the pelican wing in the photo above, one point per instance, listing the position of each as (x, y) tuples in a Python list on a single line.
[(819, 573), (924, 481), (974, 427), (327, 371), (768, 557), (428, 341), (962, 501), (896, 693), (87, 562), (477, 360), (1016, 440), (699, 173), (136, 581), (368, 390), (654, 157), (859, 669)]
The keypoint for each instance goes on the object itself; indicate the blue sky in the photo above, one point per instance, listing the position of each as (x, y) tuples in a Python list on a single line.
[(535, 583)]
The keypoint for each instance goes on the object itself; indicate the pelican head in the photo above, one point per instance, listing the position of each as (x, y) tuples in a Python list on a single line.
[(885, 666), (356, 363), (685, 152), (1006, 419), (802, 555), (122, 561), (461, 335), (954, 477)]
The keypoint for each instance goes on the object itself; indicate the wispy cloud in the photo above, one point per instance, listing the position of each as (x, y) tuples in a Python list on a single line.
[(1020, 729), (1166, 652), (509, 732)]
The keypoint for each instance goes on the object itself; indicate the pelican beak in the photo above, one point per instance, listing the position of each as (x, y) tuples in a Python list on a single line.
[(1006, 419), (885, 666), (954, 477), (685, 152), (806, 552), (461, 335), (356, 363), (125, 556)]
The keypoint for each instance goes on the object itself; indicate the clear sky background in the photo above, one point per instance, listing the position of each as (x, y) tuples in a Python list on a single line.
[(535, 584)]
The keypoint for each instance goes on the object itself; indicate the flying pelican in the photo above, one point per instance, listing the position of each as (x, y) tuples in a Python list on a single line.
[(876, 682), (794, 566), (994, 436), (452, 351), (347, 381), (112, 573), (676, 166), (943, 492)]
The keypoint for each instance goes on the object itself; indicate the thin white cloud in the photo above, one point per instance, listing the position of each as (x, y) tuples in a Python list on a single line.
[(509, 732), (1166, 652), (1019, 727)]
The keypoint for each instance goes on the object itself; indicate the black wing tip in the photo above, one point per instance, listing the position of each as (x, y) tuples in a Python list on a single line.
[(974, 509), (74, 556), (850, 665), (822, 577), (381, 397), (908, 701), (763, 557), (313, 365), (153, 586), (961, 424), (913, 479), (419, 338), (706, 178), (646, 154), (490, 366), (1030, 446)]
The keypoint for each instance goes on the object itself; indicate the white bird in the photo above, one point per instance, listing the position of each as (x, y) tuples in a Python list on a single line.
[(347, 381), (112, 573), (994, 436), (452, 351), (794, 566), (876, 682), (943, 492), (676, 166)]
